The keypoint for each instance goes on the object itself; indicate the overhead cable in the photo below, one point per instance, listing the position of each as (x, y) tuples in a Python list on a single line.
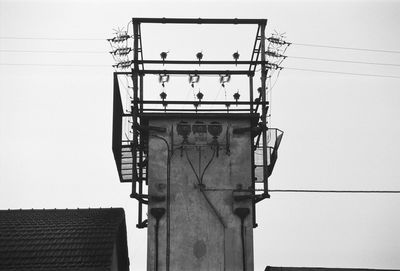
[(335, 191), (289, 68), (345, 61), (294, 43), (347, 73), (52, 52), (48, 38), (102, 52), (347, 48)]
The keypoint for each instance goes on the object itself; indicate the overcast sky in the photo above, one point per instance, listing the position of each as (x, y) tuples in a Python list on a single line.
[(341, 131)]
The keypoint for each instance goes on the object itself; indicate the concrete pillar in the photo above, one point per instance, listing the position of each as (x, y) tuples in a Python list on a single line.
[(194, 168)]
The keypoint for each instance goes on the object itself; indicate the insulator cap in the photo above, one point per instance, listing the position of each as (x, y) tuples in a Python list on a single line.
[(199, 56), (163, 95), (200, 95), (236, 96), (163, 55)]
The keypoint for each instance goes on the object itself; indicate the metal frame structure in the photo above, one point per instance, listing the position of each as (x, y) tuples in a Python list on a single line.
[(131, 154)]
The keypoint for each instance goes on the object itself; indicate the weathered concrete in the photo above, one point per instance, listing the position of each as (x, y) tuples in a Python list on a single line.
[(205, 234)]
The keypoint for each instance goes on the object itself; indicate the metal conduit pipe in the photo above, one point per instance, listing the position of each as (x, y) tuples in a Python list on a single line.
[(157, 213), (242, 213)]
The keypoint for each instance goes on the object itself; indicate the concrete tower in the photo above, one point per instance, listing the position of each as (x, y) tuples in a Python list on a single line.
[(195, 169)]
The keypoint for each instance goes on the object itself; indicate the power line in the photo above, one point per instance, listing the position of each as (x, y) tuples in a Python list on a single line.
[(347, 73), (289, 68), (55, 52), (295, 43), (346, 61), (315, 191), (347, 48), (53, 65), (103, 52), (334, 191), (47, 38)]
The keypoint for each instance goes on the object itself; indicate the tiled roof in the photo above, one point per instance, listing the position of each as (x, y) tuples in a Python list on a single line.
[(81, 239)]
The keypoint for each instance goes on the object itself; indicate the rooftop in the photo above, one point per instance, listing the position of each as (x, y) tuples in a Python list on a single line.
[(71, 239)]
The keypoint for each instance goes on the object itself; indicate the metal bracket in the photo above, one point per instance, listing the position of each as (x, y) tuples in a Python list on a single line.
[(143, 128)]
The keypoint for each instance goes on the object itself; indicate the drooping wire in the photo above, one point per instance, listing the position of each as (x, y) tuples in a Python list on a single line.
[(200, 178), (208, 164), (276, 79), (219, 91), (200, 183), (193, 169)]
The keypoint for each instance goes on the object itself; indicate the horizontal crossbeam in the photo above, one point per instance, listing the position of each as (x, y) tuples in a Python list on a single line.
[(198, 21)]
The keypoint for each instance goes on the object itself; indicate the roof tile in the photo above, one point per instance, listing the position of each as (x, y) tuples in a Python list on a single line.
[(58, 239)]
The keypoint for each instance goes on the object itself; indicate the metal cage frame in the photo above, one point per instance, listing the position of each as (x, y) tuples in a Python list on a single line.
[(130, 155)]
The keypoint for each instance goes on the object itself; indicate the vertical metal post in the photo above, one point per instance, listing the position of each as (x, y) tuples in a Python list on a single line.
[(251, 94), (141, 92), (264, 110), (135, 106), (141, 149), (253, 176)]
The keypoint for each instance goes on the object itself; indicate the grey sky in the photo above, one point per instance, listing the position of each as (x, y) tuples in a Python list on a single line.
[(341, 131)]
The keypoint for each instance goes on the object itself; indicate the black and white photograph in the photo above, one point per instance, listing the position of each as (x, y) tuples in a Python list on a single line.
[(243, 135)]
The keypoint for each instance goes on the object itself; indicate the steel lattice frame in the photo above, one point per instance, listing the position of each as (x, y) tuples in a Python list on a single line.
[(137, 146)]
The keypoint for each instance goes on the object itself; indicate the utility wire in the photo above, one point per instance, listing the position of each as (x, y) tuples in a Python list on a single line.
[(103, 52), (289, 68), (335, 191), (53, 65), (53, 52), (295, 43), (47, 38), (313, 191), (347, 73), (344, 61), (346, 48)]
